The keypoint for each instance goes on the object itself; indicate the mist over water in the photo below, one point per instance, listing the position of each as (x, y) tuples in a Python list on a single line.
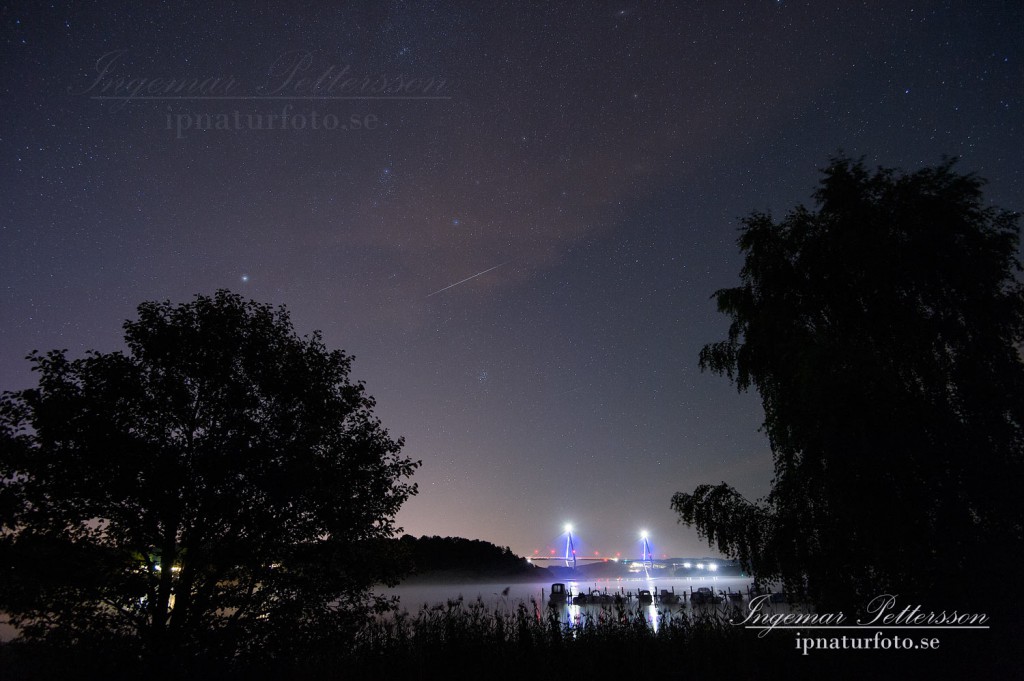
[(415, 596), (506, 596)]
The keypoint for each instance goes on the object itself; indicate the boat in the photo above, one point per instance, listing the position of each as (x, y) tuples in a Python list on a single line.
[(559, 594), (593, 597), (669, 597), (644, 596), (703, 596)]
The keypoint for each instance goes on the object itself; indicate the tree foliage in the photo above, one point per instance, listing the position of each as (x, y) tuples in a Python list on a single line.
[(219, 486), (432, 555), (883, 333)]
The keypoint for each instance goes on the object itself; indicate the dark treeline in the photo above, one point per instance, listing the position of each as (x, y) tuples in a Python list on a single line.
[(457, 555)]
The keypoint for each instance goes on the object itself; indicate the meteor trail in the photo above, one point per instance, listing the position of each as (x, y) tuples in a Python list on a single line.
[(466, 279)]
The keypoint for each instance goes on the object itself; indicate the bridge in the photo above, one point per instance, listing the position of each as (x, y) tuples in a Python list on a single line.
[(646, 561), (709, 564), (570, 558), (569, 561)]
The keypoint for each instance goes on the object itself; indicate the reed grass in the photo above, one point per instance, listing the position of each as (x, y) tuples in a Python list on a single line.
[(461, 639), (472, 640)]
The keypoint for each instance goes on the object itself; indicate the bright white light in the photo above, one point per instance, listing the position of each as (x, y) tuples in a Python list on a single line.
[(687, 565), (568, 527), (643, 534), (712, 567), (700, 566)]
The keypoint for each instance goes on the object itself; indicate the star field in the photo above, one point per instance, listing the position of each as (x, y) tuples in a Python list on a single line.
[(583, 165)]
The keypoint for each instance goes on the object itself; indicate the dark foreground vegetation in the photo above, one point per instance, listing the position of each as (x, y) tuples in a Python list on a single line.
[(460, 640)]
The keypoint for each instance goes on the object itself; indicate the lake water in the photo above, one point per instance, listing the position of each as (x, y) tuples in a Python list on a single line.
[(414, 596), (494, 596)]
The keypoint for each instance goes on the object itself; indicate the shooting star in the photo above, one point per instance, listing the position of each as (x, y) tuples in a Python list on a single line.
[(467, 279)]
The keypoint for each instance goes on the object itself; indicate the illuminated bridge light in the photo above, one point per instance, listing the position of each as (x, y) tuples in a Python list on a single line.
[(570, 547), (646, 554), (700, 566), (712, 567), (687, 565)]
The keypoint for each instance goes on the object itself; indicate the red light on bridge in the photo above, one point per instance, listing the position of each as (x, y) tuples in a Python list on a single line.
[(596, 553)]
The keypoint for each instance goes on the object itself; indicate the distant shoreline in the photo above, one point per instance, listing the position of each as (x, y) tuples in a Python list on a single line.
[(593, 571)]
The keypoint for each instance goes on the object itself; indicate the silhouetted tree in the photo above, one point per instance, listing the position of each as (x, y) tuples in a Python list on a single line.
[(882, 331), (222, 486), (456, 554)]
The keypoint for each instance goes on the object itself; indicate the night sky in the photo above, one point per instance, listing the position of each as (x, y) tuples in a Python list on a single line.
[(520, 242)]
